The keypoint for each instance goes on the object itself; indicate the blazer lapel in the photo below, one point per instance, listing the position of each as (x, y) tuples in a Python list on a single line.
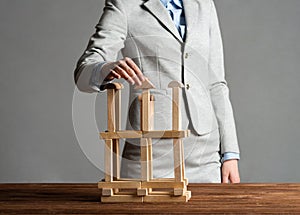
[(191, 10), (156, 8)]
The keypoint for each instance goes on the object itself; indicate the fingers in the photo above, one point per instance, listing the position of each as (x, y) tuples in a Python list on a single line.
[(128, 70), (131, 73), (230, 172), (135, 68), (225, 178), (115, 75), (120, 71), (234, 178)]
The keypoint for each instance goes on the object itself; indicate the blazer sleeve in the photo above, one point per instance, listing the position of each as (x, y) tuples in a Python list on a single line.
[(218, 88), (103, 46)]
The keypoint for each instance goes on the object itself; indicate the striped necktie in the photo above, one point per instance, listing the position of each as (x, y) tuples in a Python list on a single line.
[(176, 12)]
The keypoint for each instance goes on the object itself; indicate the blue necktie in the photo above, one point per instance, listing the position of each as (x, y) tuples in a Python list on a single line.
[(176, 12)]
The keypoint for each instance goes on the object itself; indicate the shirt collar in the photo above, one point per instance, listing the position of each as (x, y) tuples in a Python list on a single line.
[(165, 2), (178, 3)]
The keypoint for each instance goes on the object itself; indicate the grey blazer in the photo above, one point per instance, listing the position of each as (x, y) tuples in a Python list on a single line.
[(144, 31)]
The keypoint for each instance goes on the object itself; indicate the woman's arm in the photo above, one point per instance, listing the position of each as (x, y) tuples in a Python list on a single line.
[(98, 63), (220, 99)]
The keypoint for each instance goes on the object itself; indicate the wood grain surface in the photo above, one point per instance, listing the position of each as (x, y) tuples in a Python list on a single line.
[(206, 199)]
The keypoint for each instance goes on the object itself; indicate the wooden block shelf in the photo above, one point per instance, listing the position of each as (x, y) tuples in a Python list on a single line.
[(145, 189)]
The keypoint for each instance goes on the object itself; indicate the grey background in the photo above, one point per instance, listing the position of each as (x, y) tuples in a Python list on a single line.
[(41, 41)]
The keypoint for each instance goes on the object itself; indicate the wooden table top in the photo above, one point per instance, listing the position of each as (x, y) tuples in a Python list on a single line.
[(206, 198)]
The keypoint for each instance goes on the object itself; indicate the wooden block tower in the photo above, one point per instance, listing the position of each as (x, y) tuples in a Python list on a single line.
[(146, 188)]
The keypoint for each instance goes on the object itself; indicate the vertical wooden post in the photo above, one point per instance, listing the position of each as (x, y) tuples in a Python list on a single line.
[(111, 127), (151, 124), (113, 123), (145, 127), (146, 143), (176, 125), (111, 110), (116, 142), (108, 161)]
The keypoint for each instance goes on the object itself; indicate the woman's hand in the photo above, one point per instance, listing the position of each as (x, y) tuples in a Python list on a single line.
[(125, 68), (230, 172)]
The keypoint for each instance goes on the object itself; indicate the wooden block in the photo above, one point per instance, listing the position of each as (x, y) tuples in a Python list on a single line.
[(186, 181), (144, 160), (107, 192), (145, 85), (151, 118), (163, 184), (166, 134), (122, 199), (176, 113), (108, 160), (161, 193), (141, 112), (188, 194), (166, 198), (175, 84), (142, 192), (177, 149), (179, 191), (112, 86), (116, 159), (152, 98), (121, 135), (130, 179), (150, 160), (120, 185), (126, 193), (145, 109), (182, 162), (162, 180), (151, 127), (111, 110), (118, 103)]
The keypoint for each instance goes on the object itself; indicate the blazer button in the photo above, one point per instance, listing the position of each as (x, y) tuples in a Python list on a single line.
[(186, 55), (188, 86)]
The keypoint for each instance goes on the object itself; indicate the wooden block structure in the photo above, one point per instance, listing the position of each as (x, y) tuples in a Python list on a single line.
[(146, 188)]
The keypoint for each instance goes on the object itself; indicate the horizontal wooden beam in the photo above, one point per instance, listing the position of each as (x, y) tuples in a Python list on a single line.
[(163, 184), (130, 134), (166, 134), (120, 185)]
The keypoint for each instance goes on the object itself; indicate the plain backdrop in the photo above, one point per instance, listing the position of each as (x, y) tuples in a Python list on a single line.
[(41, 40)]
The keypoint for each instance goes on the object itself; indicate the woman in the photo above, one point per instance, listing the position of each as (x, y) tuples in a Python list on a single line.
[(166, 40)]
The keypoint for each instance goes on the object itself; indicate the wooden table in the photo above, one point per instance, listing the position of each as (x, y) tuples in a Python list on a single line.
[(206, 198)]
